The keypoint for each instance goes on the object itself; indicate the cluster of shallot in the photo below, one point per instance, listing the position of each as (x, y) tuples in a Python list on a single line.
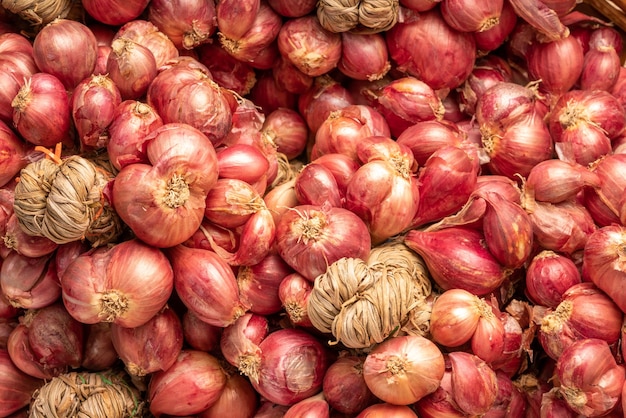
[(251, 146)]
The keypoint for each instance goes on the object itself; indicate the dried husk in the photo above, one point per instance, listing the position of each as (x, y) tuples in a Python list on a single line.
[(87, 395), (35, 14), (364, 302), (359, 16), (64, 201)]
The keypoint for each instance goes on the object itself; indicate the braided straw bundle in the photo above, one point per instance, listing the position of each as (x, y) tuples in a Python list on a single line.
[(362, 303), (38, 13), (359, 16), (87, 395), (63, 200)]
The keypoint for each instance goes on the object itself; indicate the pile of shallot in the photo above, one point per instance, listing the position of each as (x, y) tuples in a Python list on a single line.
[(281, 208)]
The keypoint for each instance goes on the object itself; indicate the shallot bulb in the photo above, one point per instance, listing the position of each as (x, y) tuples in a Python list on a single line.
[(188, 23), (557, 64), (469, 16), (115, 12)]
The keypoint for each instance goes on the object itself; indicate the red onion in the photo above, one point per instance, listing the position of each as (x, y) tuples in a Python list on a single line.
[(600, 261), (94, 102), (601, 64), (576, 317), (195, 100), (403, 369), (344, 386), (235, 18), (450, 171), (542, 58), (563, 227), (231, 159), (508, 230), (41, 110), (55, 339), (132, 121), (555, 180), (23, 358), (102, 59), (238, 399), (132, 67), (451, 56), (18, 65), (66, 49), (289, 78), (173, 186), (293, 292), (191, 385), (548, 276), (488, 70), (326, 96), (115, 12), (29, 282), (314, 406), (269, 95), (126, 284), (474, 383), (146, 34), (200, 335), (206, 285), (316, 185), (231, 203), (471, 16), (292, 368), (99, 353), (287, 129), (227, 71), (16, 387), (150, 347), (259, 283), (342, 167), (590, 380), (364, 56), (382, 410), (383, 191), (188, 23), (419, 5), (502, 104), (424, 138), (344, 129), (541, 18), (13, 151), (240, 341), (293, 8), (311, 48), (493, 38), (605, 203), (262, 33), (309, 238), (456, 258)]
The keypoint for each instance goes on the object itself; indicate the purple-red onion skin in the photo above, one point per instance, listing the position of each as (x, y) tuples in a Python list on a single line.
[(344, 386), (115, 12), (16, 387), (451, 54), (456, 257), (292, 368)]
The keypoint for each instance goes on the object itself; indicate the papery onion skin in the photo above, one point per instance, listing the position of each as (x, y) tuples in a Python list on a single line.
[(234, 18), (474, 383), (17, 387), (309, 238), (404, 369), (457, 258), (548, 276), (13, 151), (364, 56), (41, 110), (311, 48), (451, 50), (115, 12), (602, 262), (29, 282), (471, 16), (151, 347), (293, 292), (199, 373), (558, 64), (293, 364), (126, 284), (147, 34), (206, 285), (454, 317), (344, 387), (66, 49), (590, 380), (171, 192), (188, 23), (382, 410), (18, 66), (238, 399), (132, 67)]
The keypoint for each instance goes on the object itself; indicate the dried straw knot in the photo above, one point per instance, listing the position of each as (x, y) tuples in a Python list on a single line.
[(36, 14), (63, 200), (363, 302), (360, 16), (87, 395)]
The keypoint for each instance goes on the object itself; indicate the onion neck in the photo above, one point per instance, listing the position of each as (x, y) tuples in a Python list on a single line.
[(112, 305), (177, 192), (249, 365)]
